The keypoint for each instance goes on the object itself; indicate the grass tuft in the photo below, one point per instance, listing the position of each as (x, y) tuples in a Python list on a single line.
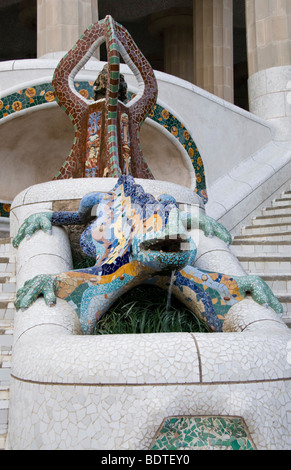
[(144, 310)]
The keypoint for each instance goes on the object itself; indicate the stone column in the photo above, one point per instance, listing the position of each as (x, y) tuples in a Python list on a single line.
[(213, 46), (269, 62), (60, 23), (176, 27)]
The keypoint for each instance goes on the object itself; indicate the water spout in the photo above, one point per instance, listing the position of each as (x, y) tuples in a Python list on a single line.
[(168, 305)]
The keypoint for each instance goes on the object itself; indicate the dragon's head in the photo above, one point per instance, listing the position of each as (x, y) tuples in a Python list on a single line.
[(131, 222)]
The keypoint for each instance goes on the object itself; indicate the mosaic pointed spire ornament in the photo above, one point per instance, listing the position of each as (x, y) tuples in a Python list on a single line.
[(106, 141)]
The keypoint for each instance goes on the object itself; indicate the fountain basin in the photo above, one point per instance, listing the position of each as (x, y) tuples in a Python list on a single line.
[(71, 391)]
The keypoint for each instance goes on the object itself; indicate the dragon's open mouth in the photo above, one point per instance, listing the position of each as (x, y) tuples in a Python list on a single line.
[(166, 245)]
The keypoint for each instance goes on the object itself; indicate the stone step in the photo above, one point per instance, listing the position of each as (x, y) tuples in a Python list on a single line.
[(7, 309), (272, 219), (287, 321), (7, 300), (286, 194), (7, 283), (251, 247), (5, 370), (7, 248), (6, 335), (3, 440), (6, 341), (285, 300), (266, 263), (266, 229), (7, 264), (262, 237), (279, 210), (7, 254), (4, 241), (8, 287), (6, 277), (3, 263), (7, 297), (278, 282), (280, 202), (4, 409)]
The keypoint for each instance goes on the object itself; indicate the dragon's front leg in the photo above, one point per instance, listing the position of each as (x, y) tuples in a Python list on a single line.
[(41, 220), (43, 284), (88, 291), (46, 220), (260, 292), (208, 225), (210, 295)]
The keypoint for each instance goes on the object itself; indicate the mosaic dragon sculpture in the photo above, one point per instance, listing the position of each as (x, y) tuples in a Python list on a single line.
[(106, 128), (135, 238)]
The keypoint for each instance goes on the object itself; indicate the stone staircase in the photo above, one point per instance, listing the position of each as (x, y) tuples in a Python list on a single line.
[(264, 249), (7, 296)]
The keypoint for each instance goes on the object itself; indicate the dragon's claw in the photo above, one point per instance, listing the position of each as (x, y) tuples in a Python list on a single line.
[(43, 284), (259, 291), (42, 220)]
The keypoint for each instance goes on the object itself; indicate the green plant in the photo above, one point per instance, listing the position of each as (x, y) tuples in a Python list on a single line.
[(144, 310)]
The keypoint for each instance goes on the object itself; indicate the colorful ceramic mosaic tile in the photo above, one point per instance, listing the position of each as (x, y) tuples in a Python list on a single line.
[(118, 41), (177, 129), (205, 287), (4, 209), (93, 144), (26, 98), (203, 433)]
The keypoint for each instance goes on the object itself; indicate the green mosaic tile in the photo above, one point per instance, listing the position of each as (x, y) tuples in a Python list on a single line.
[(4, 209), (203, 433), (177, 129), (26, 98)]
